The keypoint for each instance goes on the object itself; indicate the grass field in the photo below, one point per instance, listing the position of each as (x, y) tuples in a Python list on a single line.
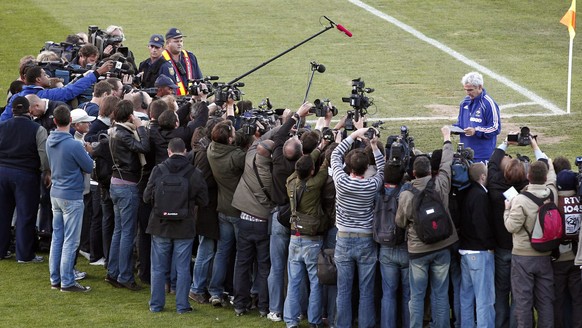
[(520, 41)]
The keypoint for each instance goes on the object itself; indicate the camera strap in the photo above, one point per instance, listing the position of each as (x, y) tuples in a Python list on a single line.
[(259, 179)]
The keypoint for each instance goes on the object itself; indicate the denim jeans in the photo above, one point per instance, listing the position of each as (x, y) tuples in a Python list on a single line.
[(394, 267), (279, 250), (166, 251), (252, 244), (108, 222), (478, 276), (67, 221), (503, 311), (433, 267), (351, 254), (96, 230), (330, 291), (455, 284), (228, 229), (302, 263), (125, 204), (202, 267)]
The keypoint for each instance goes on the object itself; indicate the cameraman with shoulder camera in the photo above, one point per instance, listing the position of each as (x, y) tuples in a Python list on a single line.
[(88, 55), (183, 64), (479, 118), (37, 80), (113, 44)]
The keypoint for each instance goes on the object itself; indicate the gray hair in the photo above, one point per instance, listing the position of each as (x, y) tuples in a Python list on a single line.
[(473, 78)]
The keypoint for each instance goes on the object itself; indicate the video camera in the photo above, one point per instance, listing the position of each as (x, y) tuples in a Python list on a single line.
[(65, 50), (101, 40), (224, 91), (578, 162), (523, 138), (265, 117), (399, 148), (372, 131), (328, 134), (358, 99), (321, 107), (194, 88)]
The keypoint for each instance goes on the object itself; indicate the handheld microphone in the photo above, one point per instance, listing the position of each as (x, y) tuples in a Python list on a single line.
[(317, 67)]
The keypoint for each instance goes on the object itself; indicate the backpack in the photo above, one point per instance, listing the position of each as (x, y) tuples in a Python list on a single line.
[(103, 161), (571, 211), (305, 224), (171, 194), (548, 226), (384, 229), (432, 223), (460, 172)]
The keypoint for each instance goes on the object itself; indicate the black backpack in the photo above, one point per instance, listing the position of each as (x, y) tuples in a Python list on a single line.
[(103, 161), (171, 195), (384, 229), (432, 223)]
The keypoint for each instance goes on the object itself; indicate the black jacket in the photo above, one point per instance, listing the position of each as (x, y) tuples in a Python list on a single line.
[(197, 194), (496, 185), (207, 223), (125, 151), (476, 231), (282, 167)]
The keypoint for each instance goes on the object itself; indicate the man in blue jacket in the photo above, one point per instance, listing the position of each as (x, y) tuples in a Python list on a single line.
[(68, 161), (37, 80), (479, 118)]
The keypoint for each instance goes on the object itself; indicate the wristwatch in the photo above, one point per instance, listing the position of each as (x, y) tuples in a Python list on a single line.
[(296, 117)]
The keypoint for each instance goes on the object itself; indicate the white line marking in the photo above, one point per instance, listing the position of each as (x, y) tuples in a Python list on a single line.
[(525, 92), (501, 107)]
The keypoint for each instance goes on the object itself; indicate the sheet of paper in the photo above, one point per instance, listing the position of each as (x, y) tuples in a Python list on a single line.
[(510, 193)]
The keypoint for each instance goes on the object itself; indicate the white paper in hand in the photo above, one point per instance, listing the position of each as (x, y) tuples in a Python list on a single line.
[(510, 193)]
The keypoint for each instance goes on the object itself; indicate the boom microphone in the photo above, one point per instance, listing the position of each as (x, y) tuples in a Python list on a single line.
[(339, 27), (317, 67)]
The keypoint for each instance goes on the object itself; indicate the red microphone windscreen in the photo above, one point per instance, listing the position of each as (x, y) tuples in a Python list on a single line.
[(343, 29)]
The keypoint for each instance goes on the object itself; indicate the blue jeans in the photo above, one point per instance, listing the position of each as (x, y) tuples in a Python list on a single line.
[(67, 222), (228, 229), (279, 250), (166, 251), (330, 291), (503, 311), (455, 283), (394, 268), (478, 276), (433, 267), (204, 258), (125, 204), (351, 254), (108, 221), (302, 262)]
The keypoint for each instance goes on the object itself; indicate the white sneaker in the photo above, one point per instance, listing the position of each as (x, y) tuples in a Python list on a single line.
[(274, 316), (100, 261), (85, 254), (79, 275)]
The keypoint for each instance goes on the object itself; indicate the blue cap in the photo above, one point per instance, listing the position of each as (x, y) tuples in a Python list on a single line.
[(174, 33), (156, 40), (164, 81)]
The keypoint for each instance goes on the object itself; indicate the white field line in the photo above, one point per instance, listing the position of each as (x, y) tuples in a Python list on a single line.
[(471, 63)]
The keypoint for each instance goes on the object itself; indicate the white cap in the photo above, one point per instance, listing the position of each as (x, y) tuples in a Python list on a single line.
[(79, 115)]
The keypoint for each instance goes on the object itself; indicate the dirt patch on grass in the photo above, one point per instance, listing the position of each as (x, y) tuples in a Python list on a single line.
[(443, 110)]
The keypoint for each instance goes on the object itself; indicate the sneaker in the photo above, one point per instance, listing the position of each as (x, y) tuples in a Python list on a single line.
[(79, 275), (112, 281), (85, 255), (263, 314), (188, 310), (56, 286), (198, 298), (240, 312), (217, 301), (131, 286), (76, 288), (7, 255), (100, 262), (274, 316), (36, 259)]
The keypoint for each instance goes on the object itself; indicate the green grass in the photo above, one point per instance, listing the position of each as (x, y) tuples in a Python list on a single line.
[(521, 40)]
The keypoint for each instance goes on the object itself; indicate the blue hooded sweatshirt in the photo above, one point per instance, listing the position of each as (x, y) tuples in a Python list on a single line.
[(68, 160)]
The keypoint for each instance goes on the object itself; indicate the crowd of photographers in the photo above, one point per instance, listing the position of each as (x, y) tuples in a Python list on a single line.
[(273, 194)]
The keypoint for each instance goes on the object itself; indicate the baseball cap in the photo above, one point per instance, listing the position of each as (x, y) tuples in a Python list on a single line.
[(567, 180), (164, 81), (79, 115), (174, 33), (20, 105), (156, 40)]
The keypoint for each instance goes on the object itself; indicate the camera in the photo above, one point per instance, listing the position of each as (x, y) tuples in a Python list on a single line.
[(224, 91), (265, 118), (399, 148), (578, 162), (327, 134), (358, 99), (194, 85), (64, 50), (523, 138), (349, 122), (321, 107), (371, 133)]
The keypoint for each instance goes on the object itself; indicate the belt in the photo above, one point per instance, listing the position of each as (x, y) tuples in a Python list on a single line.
[(250, 218), (306, 237), (354, 234)]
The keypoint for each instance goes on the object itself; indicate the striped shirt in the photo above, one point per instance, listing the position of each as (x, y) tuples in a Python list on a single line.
[(355, 196)]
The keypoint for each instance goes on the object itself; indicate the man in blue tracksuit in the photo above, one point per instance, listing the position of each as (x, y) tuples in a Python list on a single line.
[(37, 80), (479, 118)]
